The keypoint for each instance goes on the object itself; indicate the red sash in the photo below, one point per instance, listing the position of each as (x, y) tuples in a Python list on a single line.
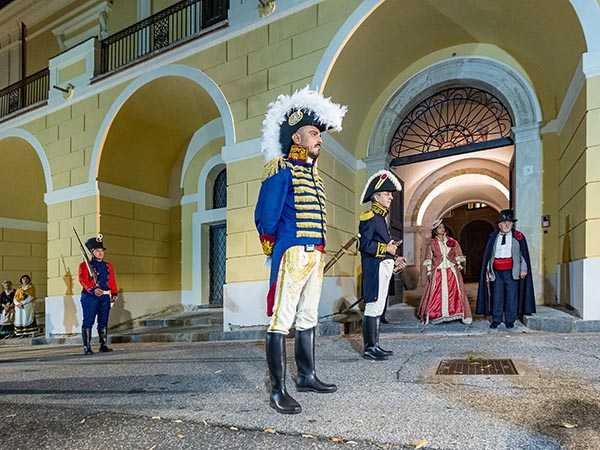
[(503, 264)]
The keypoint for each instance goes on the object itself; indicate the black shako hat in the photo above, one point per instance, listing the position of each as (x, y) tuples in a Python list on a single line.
[(506, 215), (382, 181), (95, 243)]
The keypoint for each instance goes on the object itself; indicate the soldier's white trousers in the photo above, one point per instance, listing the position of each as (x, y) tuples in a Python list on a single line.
[(298, 290), (386, 270)]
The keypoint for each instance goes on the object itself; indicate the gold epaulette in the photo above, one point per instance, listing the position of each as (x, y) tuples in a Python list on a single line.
[(274, 166), (366, 215)]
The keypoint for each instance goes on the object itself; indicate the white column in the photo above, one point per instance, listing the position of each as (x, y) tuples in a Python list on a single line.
[(528, 196)]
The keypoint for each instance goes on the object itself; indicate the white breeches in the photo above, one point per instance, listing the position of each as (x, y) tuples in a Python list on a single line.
[(386, 270), (298, 290)]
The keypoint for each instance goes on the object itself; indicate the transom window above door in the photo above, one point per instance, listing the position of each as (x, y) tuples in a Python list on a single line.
[(452, 118)]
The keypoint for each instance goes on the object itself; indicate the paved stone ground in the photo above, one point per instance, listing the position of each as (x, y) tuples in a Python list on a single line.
[(553, 403)]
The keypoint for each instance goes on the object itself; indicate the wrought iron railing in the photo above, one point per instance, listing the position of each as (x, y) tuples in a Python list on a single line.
[(171, 26), (25, 93)]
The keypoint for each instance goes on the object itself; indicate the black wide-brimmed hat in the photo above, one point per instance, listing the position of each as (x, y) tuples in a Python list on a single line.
[(95, 243), (506, 215), (382, 181)]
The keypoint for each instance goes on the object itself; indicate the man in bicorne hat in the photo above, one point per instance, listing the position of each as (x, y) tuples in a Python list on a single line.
[(290, 218), (505, 282), (378, 257), (97, 294)]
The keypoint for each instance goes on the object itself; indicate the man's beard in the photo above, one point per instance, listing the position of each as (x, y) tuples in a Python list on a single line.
[(314, 152)]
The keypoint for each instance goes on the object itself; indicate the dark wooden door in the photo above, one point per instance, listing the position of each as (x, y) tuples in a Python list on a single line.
[(473, 238)]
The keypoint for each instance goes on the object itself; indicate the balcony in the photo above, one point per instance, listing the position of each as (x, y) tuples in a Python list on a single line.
[(169, 28)]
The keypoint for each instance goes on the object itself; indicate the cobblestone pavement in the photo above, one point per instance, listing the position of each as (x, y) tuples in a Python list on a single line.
[(65, 400)]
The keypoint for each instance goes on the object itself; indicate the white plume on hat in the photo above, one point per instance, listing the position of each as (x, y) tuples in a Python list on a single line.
[(391, 176), (328, 113)]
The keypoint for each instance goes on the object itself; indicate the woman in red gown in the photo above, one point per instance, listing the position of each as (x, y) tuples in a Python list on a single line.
[(444, 298)]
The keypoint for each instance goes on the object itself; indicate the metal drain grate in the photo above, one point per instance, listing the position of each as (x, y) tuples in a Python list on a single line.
[(477, 367)]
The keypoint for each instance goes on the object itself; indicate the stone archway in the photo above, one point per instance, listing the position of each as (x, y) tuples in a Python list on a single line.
[(518, 96)]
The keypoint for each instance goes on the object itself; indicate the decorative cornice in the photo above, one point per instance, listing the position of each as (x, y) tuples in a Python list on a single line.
[(71, 193), (20, 224), (241, 150)]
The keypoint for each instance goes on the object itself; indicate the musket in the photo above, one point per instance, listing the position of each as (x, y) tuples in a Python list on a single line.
[(335, 258), (86, 258)]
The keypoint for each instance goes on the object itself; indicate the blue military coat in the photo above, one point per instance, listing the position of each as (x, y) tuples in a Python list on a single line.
[(374, 237)]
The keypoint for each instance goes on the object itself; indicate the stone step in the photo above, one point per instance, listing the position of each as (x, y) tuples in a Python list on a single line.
[(556, 320)]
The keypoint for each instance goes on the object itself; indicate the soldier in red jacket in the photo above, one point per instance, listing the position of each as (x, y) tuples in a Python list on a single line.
[(97, 278)]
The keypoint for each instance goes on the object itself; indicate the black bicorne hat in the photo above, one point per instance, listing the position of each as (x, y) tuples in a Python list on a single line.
[(506, 215), (95, 243), (382, 181)]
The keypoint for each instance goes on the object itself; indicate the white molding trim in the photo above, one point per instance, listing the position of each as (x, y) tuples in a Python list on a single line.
[(588, 67), (200, 219), (341, 154), (21, 224), (71, 193), (37, 146), (339, 41), (241, 150), (133, 196), (204, 82), (190, 198), (95, 14), (171, 57), (588, 13), (575, 86), (209, 132), (203, 178)]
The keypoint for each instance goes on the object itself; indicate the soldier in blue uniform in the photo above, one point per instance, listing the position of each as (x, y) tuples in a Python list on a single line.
[(291, 221), (378, 258), (98, 293)]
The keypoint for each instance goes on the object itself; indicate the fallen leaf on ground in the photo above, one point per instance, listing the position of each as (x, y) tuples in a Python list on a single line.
[(308, 436), (205, 422), (338, 440), (351, 442), (269, 430), (82, 420), (179, 421), (152, 448), (218, 371), (234, 428), (155, 417), (568, 425), (180, 436), (421, 443)]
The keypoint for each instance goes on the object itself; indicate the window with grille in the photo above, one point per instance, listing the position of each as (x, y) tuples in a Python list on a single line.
[(220, 190)]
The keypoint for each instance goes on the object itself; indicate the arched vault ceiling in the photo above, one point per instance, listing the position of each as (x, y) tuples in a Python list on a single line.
[(543, 36), (151, 132), (23, 185)]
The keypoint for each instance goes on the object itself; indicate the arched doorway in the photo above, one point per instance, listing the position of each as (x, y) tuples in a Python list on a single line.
[(473, 238), (163, 131), (23, 214)]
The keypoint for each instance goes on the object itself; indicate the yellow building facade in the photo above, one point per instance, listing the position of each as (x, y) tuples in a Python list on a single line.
[(150, 110)]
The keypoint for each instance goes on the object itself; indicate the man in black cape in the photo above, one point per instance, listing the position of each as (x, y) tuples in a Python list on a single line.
[(505, 282)]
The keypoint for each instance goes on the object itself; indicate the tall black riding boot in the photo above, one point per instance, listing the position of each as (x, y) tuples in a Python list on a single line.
[(385, 352), (281, 401), (370, 337), (102, 337), (305, 361), (86, 336)]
